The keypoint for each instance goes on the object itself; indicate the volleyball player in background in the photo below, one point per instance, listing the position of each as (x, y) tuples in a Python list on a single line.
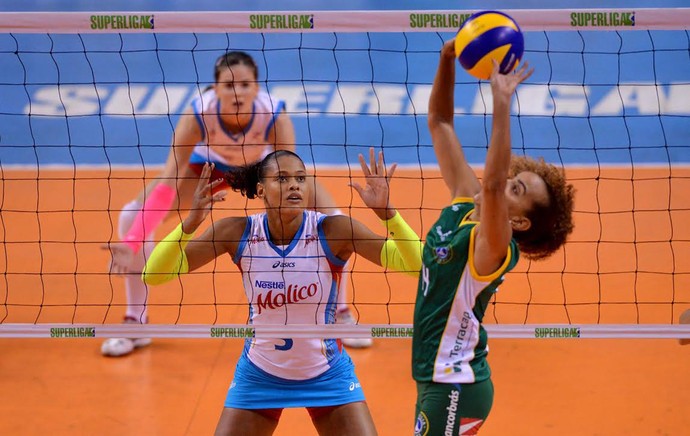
[(233, 123), (521, 205), (291, 260)]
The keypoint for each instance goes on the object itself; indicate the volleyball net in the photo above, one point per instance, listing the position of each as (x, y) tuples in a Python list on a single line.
[(89, 102)]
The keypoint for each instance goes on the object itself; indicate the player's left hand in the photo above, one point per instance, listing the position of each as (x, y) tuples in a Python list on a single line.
[(376, 192), (448, 49), (504, 85)]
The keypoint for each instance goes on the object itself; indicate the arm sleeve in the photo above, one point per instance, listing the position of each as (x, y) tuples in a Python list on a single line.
[(150, 216), (403, 249), (168, 259)]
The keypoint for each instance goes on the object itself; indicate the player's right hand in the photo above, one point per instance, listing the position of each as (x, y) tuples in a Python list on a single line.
[(121, 257), (203, 199)]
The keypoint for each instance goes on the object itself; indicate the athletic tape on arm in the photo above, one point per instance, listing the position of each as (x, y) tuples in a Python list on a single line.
[(403, 249), (168, 259)]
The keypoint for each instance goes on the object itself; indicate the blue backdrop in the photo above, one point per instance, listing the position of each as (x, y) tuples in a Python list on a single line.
[(596, 97)]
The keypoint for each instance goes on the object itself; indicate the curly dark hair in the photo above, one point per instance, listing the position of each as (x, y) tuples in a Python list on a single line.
[(552, 222), (243, 179)]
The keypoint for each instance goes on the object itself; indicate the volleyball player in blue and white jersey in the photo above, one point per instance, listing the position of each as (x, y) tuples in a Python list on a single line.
[(232, 123), (291, 260)]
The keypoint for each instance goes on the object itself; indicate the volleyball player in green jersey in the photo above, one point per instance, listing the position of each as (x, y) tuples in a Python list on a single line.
[(522, 205)]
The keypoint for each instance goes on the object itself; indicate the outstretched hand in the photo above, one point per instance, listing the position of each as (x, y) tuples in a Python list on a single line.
[(376, 193), (203, 199), (121, 257), (504, 85)]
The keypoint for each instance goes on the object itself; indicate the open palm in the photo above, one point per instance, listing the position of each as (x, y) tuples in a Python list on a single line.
[(375, 193), (203, 199), (121, 256), (504, 85)]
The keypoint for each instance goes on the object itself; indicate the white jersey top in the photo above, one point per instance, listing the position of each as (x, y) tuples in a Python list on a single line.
[(297, 284), (220, 145)]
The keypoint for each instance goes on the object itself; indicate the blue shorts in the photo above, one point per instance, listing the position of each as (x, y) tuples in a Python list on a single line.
[(197, 160), (253, 388), (196, 163)]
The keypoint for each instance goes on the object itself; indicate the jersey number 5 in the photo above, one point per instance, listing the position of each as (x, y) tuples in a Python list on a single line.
[(286, 346)]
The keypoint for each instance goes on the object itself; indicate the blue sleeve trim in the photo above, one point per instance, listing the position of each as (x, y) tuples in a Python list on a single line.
[(243, 241)]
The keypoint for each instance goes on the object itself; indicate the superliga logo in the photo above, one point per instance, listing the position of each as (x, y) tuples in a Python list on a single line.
[(102, 22), (281, 21), (603, 19)]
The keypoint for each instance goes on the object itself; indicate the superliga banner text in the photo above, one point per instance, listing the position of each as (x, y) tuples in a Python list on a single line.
[(335, 21)]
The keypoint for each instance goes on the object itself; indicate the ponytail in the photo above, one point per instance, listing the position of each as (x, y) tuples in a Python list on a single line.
[(244, 179)]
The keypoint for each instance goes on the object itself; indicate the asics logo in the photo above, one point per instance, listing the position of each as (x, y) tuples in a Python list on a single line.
[(280, 264), (354, 386)]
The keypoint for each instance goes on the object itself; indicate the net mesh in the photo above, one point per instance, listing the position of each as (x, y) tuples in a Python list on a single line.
[(87, 118)]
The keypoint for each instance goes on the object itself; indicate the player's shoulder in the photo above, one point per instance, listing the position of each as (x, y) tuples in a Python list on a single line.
[(231, 228), (204, 101), (334, 225), (333, 220), (462, 204), (266, 103)]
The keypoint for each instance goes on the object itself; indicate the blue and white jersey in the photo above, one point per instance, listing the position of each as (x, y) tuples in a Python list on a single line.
[(220, 145), (294, 284)]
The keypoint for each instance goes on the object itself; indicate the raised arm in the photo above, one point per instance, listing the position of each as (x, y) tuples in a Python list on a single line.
[(188, 133), (402, 250), (456, 172), (222, 236), (178, 253), (282, 134), (494, 231), (159, 196)]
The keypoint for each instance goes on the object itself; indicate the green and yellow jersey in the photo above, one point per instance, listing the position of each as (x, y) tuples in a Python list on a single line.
[(449, 343)]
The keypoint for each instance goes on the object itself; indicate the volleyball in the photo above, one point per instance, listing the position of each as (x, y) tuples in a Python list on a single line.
[(485, 36)]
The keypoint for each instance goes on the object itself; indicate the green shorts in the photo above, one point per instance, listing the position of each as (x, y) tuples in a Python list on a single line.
[(455, 409)]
